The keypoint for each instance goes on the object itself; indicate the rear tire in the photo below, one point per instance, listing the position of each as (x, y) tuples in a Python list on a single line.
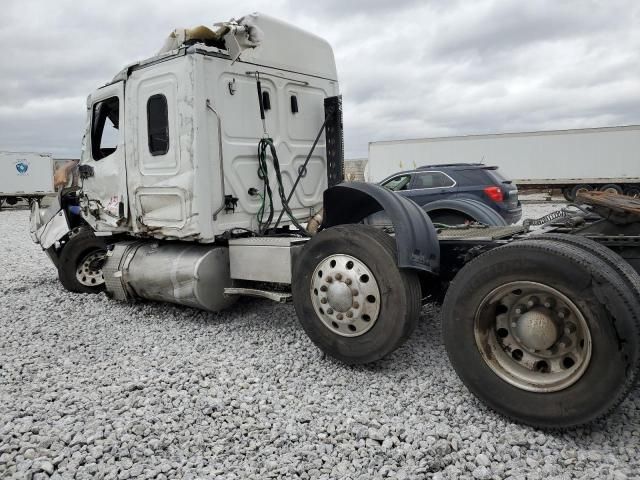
[(579, 189), (464, 209), (611, 188), (611, 258), (350, 297), (566, 193), (80, 262), (449, 218), (597, 303), (632, 191)]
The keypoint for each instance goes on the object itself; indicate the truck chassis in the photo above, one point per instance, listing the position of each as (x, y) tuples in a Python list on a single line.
[(543, 325)]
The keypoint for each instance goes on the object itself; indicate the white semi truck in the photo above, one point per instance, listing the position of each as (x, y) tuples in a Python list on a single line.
[(214, 170), (574, 161), (25, 175)]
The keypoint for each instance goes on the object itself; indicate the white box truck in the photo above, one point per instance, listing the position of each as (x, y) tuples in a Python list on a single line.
[(578, 160), (25, 175)]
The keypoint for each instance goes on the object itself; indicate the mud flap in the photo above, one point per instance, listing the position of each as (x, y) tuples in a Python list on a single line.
[(416, 237)]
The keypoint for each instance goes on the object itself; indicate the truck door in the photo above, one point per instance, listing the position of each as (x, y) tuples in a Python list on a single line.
[(106, 184)]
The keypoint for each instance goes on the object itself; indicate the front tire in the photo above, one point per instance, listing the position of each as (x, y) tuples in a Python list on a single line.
[(81, 261), (352, 300), (543, 332)]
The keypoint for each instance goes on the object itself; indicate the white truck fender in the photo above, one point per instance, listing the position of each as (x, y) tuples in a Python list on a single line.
[(54, 230), (49, 225)]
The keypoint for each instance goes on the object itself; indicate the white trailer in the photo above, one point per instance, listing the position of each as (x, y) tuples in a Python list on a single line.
[(572, 160), (25, 175)]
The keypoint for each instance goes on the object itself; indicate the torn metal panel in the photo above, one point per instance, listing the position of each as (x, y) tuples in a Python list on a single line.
[(53, 231), (262, 40)]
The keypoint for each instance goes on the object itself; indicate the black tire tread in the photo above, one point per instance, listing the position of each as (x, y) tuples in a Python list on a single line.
[(410, 279), (595, 266), (612, 259), (81, 241)]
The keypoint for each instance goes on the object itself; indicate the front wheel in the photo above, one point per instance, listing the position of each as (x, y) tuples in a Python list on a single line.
[(80, 262), (543, 332), (352, 300)]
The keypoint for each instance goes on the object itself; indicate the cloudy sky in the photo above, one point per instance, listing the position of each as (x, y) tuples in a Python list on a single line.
[(408, 68)]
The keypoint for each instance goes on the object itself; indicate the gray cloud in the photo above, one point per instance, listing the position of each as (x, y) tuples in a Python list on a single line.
[(407, 68)]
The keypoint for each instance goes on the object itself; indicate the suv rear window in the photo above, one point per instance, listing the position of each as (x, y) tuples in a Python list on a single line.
[(432, 180)]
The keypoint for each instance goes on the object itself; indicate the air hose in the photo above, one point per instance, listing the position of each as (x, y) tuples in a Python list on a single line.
[(266, 144)]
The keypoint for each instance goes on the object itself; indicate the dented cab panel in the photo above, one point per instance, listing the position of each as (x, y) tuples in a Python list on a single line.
[(103, 161), (161, 165)]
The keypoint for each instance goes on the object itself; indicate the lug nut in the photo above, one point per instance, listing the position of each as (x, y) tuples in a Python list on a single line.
[(533, 301), (330, 311), (348, 281), (338, 276), (323, 288), (356, 305), (569, 328), (328, 279), (549, 303), (323, 300), (564, 342), (349, 314), (520, 309), (354, 292), (562, 313), (339, 316)]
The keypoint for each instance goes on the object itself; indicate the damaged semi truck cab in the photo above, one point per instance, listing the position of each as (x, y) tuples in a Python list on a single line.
[(171, 145), (215, 170), (205, 171)]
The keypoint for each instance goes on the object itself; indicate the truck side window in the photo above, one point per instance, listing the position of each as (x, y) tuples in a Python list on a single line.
[(158, 124), (104, 127)]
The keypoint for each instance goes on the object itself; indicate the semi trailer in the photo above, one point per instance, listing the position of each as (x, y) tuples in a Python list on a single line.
[(214, 170), (25, 175), (573, 161)]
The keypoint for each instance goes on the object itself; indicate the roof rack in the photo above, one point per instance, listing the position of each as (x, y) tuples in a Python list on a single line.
[(440, 165)]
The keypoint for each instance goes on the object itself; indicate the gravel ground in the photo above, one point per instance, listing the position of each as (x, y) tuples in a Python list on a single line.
[(91, 388)]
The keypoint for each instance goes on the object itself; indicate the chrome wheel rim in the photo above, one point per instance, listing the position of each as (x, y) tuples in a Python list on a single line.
[(89, 272), (533, 336), (345, 295)]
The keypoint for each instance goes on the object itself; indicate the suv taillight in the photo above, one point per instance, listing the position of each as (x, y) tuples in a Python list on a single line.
[(494, 193)]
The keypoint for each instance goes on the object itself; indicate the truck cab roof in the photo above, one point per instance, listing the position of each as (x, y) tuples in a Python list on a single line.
[(272, 43)]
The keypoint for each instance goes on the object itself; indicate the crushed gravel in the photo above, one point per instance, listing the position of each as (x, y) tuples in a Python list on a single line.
[(91, 388)]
